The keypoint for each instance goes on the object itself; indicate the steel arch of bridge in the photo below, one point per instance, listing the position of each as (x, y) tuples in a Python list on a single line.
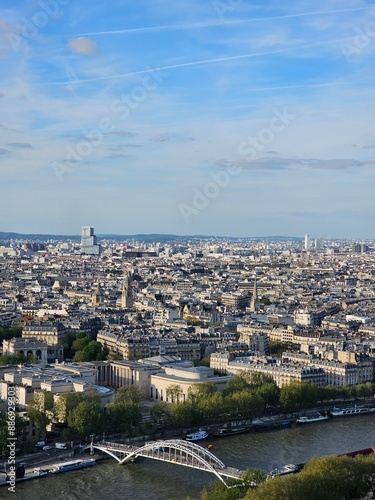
[(208, 461)]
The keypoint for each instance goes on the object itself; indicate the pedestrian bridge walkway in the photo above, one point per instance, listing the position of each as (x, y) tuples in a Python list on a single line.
[(174, 451)]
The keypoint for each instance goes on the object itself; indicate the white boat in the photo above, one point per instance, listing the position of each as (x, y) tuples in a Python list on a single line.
[(356, 410), (72, 465), (38, 472), (307, 420), (285, 470), (196, 436)]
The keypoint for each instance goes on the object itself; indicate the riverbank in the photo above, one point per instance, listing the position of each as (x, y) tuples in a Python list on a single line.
[(43, 459), (159, 480), (267, 422)]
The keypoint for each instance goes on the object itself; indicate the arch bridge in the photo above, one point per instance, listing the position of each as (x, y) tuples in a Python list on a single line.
[(174, 451)]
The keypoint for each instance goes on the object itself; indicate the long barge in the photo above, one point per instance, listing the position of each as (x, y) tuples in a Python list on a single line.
[(294, 468)]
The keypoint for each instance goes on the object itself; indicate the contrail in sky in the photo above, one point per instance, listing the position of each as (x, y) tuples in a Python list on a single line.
[(213, 23), (196, 63)]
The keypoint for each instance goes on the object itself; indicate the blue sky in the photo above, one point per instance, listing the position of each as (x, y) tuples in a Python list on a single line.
[(218, 117)]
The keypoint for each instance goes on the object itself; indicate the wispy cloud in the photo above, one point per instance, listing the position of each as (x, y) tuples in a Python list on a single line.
[(264, 164), (83, 45), (205, 62), (20, 145), (116, 155), (160, 138)]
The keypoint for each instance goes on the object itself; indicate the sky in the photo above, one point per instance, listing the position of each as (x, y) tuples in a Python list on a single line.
[(216, 117)]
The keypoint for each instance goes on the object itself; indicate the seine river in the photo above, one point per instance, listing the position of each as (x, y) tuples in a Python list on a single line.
[(153, 480)]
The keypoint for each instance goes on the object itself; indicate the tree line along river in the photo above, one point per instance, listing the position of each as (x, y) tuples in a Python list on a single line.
[(153, 480)]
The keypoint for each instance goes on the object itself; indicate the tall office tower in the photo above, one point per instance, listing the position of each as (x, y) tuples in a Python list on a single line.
[(89, 245), (318, 243), (307, 242)]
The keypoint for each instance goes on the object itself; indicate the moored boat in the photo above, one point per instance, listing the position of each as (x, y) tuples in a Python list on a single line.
[(308, 420), (72, 465), (356, 410), (196, 436), (38, 472), (269, 426), (286, 469), (229, 431)]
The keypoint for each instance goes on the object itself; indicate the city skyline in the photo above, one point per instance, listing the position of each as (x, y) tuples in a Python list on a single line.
[(231, 118)]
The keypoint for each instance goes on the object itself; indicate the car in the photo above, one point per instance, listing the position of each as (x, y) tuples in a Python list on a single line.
[(46, 448)]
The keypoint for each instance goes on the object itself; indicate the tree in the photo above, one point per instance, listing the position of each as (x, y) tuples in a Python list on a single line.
[(182, 414), (245, 404), (253, 477), (218, 491), (330, 391), (129, 393), (8, 332), (86, 418), (235, 384), (92, 395), (40, 410), (237, 488), (174, 392), (202, 362), (309, 395), (67, 345), (257, 379), (270, 393), (323, 478), (297, 395), (64, 404), (92, 351), (346, 391), (192, 320), (198, 391), (12, 359), (80, 343), (276, 348), (334, 476), (124, 416), (160, 413), (209, 407), (113, 356)]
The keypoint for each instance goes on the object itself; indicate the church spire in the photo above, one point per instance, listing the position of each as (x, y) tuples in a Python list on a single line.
[(126, 295), (254, 304)]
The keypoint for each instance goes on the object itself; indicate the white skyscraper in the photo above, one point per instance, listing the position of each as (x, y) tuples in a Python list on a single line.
[(307, 242)]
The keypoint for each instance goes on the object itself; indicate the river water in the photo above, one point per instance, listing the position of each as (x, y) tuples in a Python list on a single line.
[(152, 480)]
